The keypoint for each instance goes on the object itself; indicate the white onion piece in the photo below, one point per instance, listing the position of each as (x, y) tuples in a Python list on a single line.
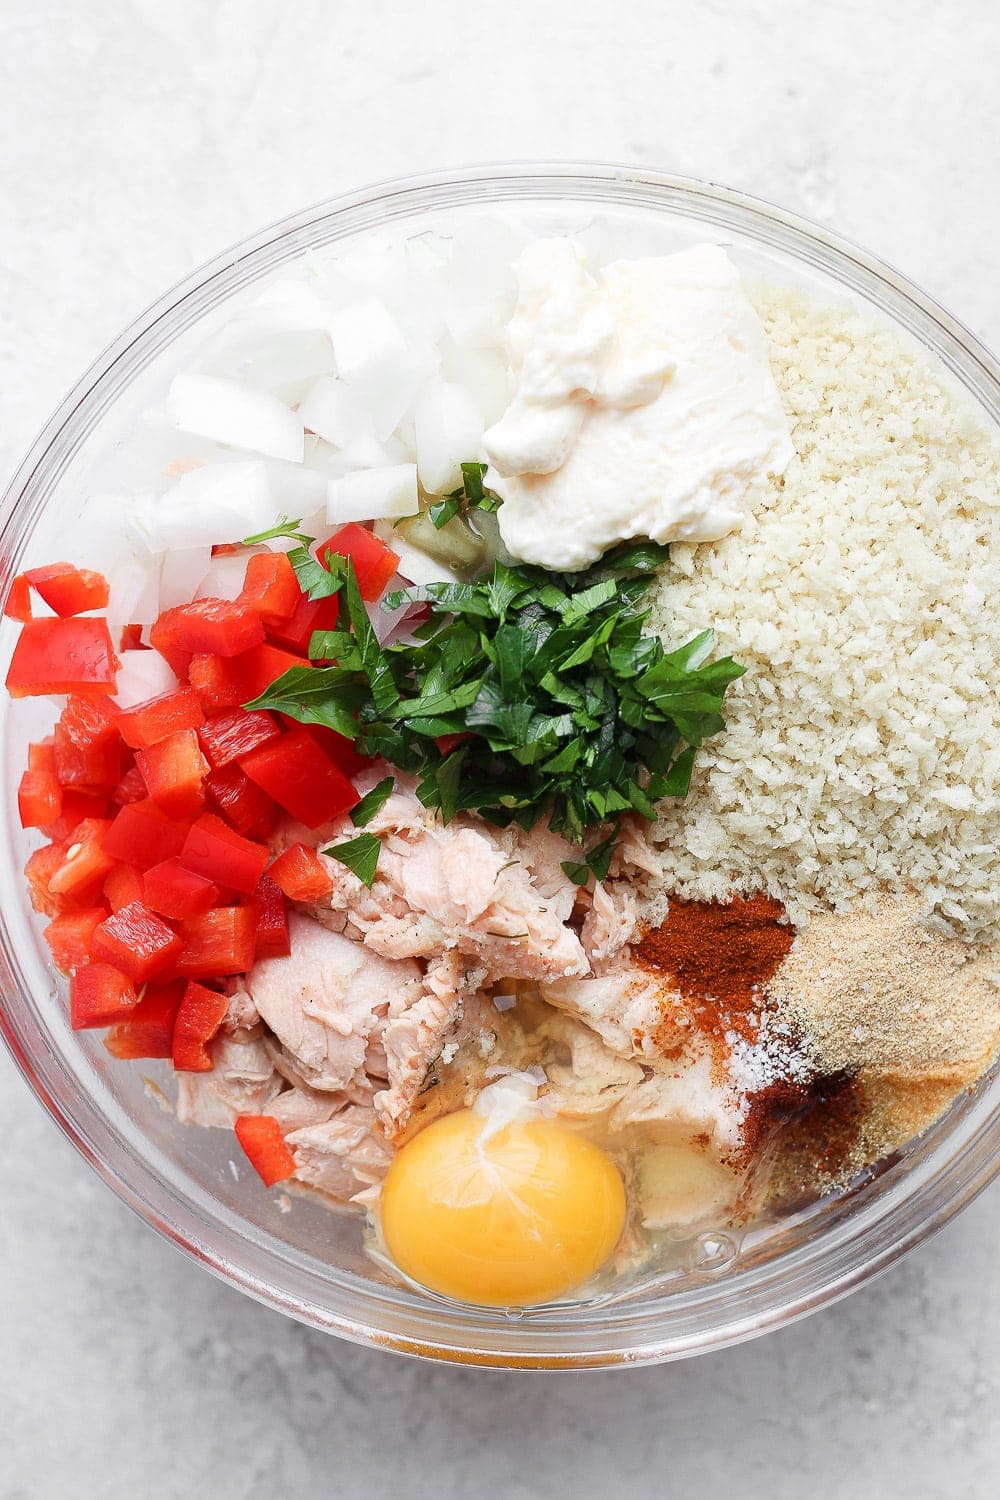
[(332, 409), (483, 373), (375, 360), (414, 565), (232, 413), (142, 675), (449, 428), (297, 488), (386, 622), (373, 494), (291, 306), (180, 574), (225, 575), (217, 503)]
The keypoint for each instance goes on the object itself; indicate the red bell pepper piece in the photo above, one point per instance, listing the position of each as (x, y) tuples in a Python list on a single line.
[(175, 892), (339, 748), (227, 682), (242, 803), (38, 871), (42, 756), (39, 799), (71, 934), (100, 995), (217, 943), (87, 746), (271, 587), (157, 718), (301, 778), (217, 852), (309, 615), (301, 874), (374, 563), (131, 788), (69, 590), (230, 735), (219, 627), (149, 1030), (265, 1148), (76, 807), (201, 1013), (18, 605), (136, 941), (85, 863), (130, 638), (174, 771), (142, 835), (62, 656), (272, 939), (122, 886)]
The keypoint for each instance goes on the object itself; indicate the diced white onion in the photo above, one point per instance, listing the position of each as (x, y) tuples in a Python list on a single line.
[(225, 576), (143, 674), (291, 306), (386, 622), (217, 503), (371, 494), (375, 360), (231, 413), (449, 428), (180, 574)]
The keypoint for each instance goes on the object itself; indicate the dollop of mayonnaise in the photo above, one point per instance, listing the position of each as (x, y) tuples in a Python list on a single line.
[(643, 405)]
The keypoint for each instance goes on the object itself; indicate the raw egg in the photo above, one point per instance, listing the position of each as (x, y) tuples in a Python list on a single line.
[(504, 1214)]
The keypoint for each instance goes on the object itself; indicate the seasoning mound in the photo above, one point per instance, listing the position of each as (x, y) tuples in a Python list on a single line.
[(861, 748)]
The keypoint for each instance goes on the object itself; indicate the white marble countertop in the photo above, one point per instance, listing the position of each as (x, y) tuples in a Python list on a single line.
[(136, 139)]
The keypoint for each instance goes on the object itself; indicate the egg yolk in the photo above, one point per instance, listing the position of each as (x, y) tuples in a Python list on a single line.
[(505, 1217)]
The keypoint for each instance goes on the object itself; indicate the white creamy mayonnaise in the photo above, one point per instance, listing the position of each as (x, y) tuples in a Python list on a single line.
[(643, 404)]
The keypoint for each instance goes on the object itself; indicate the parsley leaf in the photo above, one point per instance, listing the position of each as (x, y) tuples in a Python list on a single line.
[(360, 855), (372, 802), (473, 495), (283, 529)]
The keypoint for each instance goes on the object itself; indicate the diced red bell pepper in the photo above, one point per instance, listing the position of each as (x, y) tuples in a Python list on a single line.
[(42, 756), (100, 995), (301, 874), (130, 638), (76, 807), (38, 871), (157, 718), (149, 1030), (309, 615), (219, 627), (301, 778), (18, 605), (71, 934), (374, 563), (175, 892), (174, 771), (242, 803), (272, 939), (136, 941), (69, 590), (131, 788), (142, 835), (339, 748), (227, 682), (122, 886), (201, 1014), (62, 656), (271, 587), (230, 735), (265, 1148), (39, 799), (87, 744), (85, 862), (217, 943), (217, 852)]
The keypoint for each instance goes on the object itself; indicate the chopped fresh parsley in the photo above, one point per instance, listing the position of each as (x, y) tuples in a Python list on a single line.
[(566, 710), (360, 855), (373, 802), (473, 495)]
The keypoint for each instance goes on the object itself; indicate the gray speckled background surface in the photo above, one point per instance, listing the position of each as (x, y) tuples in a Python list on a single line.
[(136, 139)]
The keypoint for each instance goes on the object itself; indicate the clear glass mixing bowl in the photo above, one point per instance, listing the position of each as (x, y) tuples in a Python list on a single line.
[(187, 1183)]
